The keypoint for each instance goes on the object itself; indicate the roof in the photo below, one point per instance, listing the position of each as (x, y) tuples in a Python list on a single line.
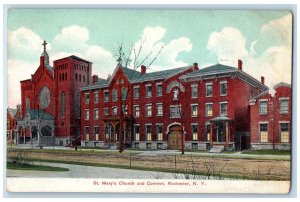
[(213, 69), (12, 111), (74, 57), (220, 118), (35, 114), (253, 99), (282, 84), (136, 76)]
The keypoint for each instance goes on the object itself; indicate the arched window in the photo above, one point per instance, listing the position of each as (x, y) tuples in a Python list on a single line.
[(63, 108)]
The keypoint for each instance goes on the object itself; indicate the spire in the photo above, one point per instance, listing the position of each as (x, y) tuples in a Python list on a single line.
[(45, 54)]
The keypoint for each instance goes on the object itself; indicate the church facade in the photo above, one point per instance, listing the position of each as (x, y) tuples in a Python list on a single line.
[(214, 107), (50, 101)]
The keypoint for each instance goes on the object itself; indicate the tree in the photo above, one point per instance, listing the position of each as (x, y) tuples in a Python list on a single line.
[(133, 59)]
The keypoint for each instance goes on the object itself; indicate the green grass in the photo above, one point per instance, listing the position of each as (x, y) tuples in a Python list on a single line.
[(268, 152), (178, 171), (27, 166)]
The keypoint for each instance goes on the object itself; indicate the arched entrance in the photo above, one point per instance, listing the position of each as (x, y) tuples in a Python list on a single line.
[(175, 136), (46, 131), (34, 133)]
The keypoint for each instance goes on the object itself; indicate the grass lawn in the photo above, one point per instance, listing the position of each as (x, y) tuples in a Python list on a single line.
[(268, 152), (28, 166)]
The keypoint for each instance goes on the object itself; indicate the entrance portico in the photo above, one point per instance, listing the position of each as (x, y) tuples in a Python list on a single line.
[(221, 131)]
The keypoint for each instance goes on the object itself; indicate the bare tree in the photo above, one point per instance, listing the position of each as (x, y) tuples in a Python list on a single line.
[(131, 59)]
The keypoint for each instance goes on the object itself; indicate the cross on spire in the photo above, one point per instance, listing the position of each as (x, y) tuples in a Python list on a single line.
[(44, 44)]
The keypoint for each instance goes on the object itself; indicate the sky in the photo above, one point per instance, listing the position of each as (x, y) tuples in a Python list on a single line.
[(262, 39)]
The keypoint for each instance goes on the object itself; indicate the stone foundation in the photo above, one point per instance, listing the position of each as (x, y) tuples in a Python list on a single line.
[(190, 145), (99, 144), (153, 145), (61, 141), (266, 146)]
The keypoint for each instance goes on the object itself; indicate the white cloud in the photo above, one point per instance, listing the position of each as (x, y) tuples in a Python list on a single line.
[(17, 70), (279, 29), (151, 40), (228, 45), (274, 63), (24, 44)]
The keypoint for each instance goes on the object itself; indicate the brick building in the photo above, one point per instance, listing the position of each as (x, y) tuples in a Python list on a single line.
[(50, 101), (197, 108), (187, 106), (271, 118), (13, 115)]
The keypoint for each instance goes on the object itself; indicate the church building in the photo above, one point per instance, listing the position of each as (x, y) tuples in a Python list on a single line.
[(50, 101), (214, 108)]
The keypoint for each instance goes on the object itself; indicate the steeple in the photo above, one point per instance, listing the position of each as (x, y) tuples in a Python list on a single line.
[(44, 56)]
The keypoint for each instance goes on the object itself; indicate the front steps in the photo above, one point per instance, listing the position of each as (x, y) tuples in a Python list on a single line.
[(217, 149)]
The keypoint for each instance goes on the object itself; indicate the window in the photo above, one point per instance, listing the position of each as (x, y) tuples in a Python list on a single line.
[(80, 77), (263, 107), (148, 133), (125, 109), (114, 111), (96, 98), (223, 88), (148, 146), (76, 76), (159, 109), (63, 104), (208, 90), (175, 111), (148, 110), (194, 145), (136, 92), (124, 93), (195, 131), (223, 109), (136, 145), (194, 90), (159, 132), (148, 90), (83, 78), (87, 133), (136, 132), (194, 109), (106, 96), (114, 95), (106, 113), (284, 106), (284, 132), (158, 90), (136, 111), (87, 98), (207, 127), (209, 111), (264, 132), (87, 114), (159, 145), (27, 103), (96, 133), (96, 114)]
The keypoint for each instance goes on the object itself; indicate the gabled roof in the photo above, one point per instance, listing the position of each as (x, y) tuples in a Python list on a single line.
[(35, 114), (12, 111)]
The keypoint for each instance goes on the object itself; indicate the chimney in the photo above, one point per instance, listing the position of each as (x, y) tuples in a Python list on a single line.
[(143, 69), (95, 78), (262, 80), (195, 65), (240, 65)]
